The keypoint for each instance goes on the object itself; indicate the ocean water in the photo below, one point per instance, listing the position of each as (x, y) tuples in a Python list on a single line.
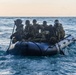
[(55, 65)]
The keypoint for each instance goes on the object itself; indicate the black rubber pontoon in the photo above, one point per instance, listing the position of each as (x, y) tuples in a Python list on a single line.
[(39, 49)]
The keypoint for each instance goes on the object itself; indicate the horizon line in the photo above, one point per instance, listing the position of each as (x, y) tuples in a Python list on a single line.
[(37, 16)]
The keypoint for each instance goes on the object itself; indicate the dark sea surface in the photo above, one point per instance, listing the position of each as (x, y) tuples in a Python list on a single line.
[(45, 65)]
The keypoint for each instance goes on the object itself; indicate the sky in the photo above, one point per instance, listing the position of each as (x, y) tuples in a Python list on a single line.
[(38, 8)]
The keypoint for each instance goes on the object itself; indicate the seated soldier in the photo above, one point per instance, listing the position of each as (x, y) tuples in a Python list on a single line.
[(45, 26), (45, 31), (60, 33), (37, 29), (19, 25), (49, 33), (27, 27), (29, 34), (52, 35), (17, 36)]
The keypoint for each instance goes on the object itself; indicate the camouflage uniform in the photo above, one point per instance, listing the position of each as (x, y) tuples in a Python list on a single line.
[(19, 30), (37, 29), (60, 33), (17, 36), (51, 35), (19, 27), (29, 34)]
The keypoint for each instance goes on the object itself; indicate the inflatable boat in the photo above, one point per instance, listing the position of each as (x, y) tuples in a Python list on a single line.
[(39, 49)]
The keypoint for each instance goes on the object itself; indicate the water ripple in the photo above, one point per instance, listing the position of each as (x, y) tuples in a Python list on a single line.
[(56, 65)]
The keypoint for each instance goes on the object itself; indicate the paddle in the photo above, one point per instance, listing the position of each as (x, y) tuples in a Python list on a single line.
[(61, 52), (11, 39)]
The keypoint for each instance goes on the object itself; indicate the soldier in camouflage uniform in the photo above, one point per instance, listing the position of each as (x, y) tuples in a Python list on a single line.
[(19, 25), (45, 30), (37, 29), (60, 33), (29, 34), (44, 25), (18, 35), (52, 35)]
